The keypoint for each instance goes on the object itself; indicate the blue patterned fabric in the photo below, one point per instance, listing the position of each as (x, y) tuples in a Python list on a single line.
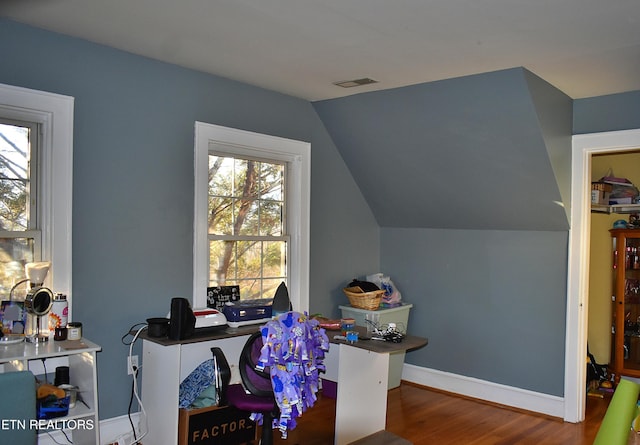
[(199, 380), (294, 348)]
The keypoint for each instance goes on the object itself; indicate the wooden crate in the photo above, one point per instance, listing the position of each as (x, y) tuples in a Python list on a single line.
[(215, 425)]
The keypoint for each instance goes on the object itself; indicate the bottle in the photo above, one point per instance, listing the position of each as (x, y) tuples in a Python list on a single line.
[(59, 312)]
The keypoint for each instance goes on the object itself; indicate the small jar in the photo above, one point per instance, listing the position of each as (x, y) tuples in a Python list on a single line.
[(346, 325), (60, 334), (74, 330)]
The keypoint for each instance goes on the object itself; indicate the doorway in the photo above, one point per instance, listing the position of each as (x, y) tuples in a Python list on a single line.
[(584, 147)]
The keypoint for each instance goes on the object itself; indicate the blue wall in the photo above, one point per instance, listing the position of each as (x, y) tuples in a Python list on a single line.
[(464, 177), (133, 183), (492, 303), (465, 153), (607, 113)]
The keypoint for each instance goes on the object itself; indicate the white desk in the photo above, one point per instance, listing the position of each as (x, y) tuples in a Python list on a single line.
[(165, 363), (363, 372), (361, 404)]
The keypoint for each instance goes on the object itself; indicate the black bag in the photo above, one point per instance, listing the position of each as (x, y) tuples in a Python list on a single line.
[(595, 371), (366, 286)]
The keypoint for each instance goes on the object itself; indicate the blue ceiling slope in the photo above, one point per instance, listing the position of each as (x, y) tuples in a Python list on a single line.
[(463, 153)]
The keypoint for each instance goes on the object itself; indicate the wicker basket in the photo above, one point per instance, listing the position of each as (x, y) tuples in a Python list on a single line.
[(363, 300)]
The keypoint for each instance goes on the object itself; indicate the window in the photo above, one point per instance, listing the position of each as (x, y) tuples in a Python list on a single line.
[(251, 217), (36, 129), (247, 226), (20, 233)]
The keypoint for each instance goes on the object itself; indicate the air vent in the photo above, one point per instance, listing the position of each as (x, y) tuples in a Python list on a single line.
[(355, 82)]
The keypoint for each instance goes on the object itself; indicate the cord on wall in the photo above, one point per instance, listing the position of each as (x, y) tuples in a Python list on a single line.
[(128, 439)]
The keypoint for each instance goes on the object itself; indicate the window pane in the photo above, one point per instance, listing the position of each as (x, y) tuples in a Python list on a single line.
[(246, 217), (221, 262), (14, 254), (249, 258), (246, 200), (272, 181), (250, 289), (220, 175), (220, 215), (244, 178), (258, 267), (270, 287), (271, 218), (274, 264), (14, 177)]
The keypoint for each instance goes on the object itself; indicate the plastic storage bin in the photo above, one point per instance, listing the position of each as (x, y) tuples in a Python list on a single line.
[(398, 315)]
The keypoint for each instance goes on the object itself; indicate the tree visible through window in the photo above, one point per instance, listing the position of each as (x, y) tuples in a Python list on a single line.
[(19, 237), (246, 225), (251, 213)]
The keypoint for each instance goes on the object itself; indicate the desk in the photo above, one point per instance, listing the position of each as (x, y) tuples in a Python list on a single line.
[(165, 363), (363, 371), (361, 403), (80, 357)]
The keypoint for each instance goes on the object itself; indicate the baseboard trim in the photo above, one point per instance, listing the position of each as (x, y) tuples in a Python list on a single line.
[(485, 390), (115, 428)]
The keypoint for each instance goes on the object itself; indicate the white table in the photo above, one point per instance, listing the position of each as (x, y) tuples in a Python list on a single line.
[(80, 357), (165, 363), (363, 372)]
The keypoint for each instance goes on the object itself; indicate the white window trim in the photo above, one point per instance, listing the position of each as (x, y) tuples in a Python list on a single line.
[(55, 113), (245, 143)]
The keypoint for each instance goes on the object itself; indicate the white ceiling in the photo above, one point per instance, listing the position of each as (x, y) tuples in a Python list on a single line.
[(301, 47)]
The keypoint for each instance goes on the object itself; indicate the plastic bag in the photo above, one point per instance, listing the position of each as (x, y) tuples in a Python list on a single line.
[(621, 187), (392, 296)]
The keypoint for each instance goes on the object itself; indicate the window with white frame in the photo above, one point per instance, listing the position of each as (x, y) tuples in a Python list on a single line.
[(20, 232), (36, 134), (251, 217)]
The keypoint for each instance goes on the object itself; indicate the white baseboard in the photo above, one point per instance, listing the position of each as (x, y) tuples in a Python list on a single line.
[(119, 428), (485, 390), (113, 430)]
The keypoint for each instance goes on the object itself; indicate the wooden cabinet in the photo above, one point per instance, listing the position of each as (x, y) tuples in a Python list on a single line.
[(625, 349), (81, 424)]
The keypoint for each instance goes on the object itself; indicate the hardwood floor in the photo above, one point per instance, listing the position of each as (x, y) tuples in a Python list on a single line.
[(429, 417)]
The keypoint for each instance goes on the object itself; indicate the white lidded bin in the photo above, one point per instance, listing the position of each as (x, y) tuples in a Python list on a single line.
[(383, 316)]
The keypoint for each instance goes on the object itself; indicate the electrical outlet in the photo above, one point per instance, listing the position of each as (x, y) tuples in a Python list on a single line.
[(132, 362)]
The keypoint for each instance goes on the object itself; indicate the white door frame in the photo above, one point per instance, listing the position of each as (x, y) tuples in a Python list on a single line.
[(584, 146)]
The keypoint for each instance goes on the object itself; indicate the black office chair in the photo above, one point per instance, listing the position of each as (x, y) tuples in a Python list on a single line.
[(260, 397)]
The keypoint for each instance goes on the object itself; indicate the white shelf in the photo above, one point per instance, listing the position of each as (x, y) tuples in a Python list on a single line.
[(81, 359), (615, 208)]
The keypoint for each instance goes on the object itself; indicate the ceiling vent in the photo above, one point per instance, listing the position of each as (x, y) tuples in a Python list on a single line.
[(355, 82)]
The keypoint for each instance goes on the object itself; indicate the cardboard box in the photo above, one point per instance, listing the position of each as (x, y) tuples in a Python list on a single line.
[(215, 425), (600, 192)]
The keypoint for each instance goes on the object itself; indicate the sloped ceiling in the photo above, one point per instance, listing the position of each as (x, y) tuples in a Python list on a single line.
[(475, 152)]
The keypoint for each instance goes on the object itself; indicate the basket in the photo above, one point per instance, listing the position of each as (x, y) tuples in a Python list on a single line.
[(363, 300)]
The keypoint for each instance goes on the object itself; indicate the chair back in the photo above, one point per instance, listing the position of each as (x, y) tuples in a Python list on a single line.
[(222, 374), (256, 381)]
